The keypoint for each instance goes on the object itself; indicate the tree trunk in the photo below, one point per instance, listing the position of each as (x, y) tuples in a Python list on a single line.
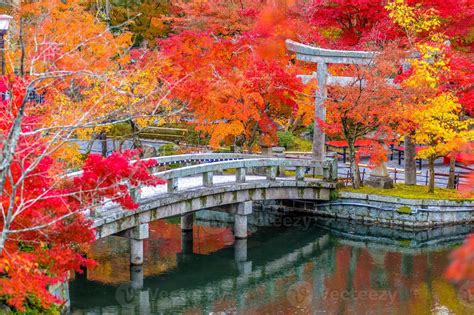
[(452, 171), (22, 46), (3, 238), (103, 141), (431, 183), (90, 145), (107, 10), (354, 167), (137, 144), (410, 161), (5, 231)]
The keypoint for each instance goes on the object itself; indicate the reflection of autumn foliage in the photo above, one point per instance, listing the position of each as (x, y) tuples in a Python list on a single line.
[(211, 239), (161, 251), (381, 280), (462, 265)]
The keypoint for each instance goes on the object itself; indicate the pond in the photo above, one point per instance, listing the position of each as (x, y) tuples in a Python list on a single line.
[(305, 267)]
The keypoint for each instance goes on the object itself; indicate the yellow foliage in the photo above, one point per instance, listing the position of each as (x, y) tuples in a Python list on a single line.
[(144, 122), (439, 126), (412, 19), (427, 68), (69, 153)]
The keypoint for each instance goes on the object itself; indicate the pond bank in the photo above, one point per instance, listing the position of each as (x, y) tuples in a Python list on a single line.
[(391, 211)]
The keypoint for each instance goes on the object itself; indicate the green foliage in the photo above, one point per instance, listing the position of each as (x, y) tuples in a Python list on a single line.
[(32, 307), (286, 139), (310, 129), (224, 150), (173, 220), (410, 192), (302, 145), (167, 149), (22, 246), (196, 137), (120, 130), (333, 195)]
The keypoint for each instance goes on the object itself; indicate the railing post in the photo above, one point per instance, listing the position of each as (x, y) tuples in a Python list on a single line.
[(207, 179), (172, 185), (326, 171), (300, 170), (271, 172), (335, 168), (330, 167), (240, 175), (135, 193)]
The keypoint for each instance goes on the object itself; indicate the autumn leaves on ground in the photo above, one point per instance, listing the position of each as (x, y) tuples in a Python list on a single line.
[(219, 68)]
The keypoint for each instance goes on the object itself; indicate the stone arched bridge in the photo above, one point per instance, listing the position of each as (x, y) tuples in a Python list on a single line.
[(203, 181)]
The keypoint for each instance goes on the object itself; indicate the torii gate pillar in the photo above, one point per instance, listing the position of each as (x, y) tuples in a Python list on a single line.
[(319, 137)]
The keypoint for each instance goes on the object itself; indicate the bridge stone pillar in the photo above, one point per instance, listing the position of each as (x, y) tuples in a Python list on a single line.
[(240, 255), (187, 242), (187, 222), (240, 223), (300, 272), (137, 235), (136, 277)]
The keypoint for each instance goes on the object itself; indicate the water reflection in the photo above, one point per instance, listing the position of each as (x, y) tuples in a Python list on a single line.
[(315, 270)]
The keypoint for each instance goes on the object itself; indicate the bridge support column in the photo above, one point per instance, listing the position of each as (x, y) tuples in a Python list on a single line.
[(137, 235), (240, 255), (240, 223), (186, 242), (187, 222), (136, 277)]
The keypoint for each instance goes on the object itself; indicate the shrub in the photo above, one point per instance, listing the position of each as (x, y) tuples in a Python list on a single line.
[(167, 149), (286, 139)]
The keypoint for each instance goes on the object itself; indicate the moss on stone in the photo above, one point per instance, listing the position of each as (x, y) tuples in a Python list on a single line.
[(405, 210), (405, 243)]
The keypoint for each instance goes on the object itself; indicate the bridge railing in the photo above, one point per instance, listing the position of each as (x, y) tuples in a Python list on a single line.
[(212, 163), (327, 168), (200, 158)]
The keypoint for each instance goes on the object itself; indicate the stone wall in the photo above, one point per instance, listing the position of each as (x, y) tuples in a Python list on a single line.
[(392, 211)]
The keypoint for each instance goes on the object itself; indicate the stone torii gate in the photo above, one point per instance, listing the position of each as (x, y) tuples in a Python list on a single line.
[(323, 57)]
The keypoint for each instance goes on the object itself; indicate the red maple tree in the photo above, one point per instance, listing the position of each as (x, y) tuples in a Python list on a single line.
[(44, 225)]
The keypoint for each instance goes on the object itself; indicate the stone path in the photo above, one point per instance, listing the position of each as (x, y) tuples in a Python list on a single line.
[(187, 183)]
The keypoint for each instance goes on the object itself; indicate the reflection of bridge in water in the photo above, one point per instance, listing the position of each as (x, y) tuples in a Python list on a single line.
[(259, 263), (244, 266)]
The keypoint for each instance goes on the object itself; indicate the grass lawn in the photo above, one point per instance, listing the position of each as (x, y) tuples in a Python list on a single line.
[(411, 192)]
